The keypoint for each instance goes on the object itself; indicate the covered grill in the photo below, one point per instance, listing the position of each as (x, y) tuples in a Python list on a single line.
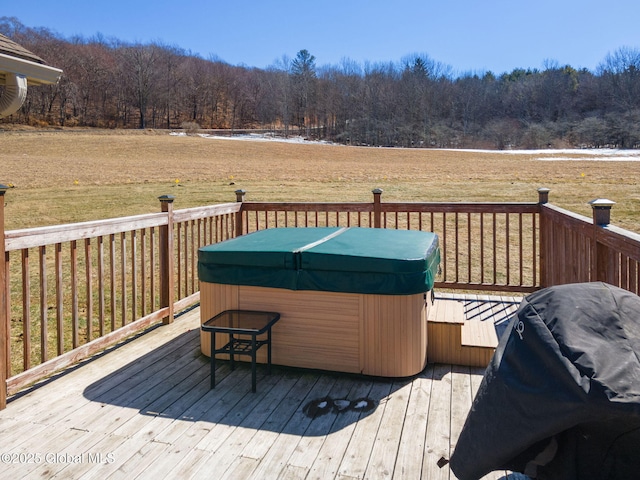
[(561, 397)]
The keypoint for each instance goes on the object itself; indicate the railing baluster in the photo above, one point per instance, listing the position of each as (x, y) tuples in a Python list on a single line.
[(507, 248), (134, 275), (624, 271), (534, 242), (457, 254), (185, 258), (152, 269), (520, 250), (101, 287), (143, 272), (469, 260), (74, 294), (26, 310), (495, 251), (44, 330), (112, 279), (443, 259), (59, 298), (481, 248), (197, 242), (88, 289), (179, 257), (123, 279)]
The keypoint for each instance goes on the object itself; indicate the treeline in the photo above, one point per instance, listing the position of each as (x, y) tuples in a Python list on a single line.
[(415, 102)]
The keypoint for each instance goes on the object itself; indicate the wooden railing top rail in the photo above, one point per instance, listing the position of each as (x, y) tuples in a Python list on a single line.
[(473, 207), (42, 236), (567, 218), (624, 241), (306, 207), (461, 207), (196, 213)]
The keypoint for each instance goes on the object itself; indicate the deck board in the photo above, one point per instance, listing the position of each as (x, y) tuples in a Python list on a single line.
[(145, 410)]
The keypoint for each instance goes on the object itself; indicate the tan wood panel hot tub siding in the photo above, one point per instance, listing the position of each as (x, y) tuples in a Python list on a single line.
[(381, 335)]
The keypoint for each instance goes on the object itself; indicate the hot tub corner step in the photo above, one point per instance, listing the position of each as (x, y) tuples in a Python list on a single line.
[(452, 339)]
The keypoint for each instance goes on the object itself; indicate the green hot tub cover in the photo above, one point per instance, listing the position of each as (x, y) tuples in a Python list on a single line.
[(334, 259)]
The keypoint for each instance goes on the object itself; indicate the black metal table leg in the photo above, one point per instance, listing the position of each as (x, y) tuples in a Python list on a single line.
[(253, 363), (231, 352), (213, 359), (269, 352)]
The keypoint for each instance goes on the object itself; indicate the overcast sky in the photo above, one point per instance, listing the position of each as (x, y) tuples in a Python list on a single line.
[(468, 35)]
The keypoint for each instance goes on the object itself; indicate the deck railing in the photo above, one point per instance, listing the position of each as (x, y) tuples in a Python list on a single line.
[(574, 248), (484, 246), (69, 291)]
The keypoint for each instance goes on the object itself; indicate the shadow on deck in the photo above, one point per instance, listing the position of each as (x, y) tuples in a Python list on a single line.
[(173, 382)]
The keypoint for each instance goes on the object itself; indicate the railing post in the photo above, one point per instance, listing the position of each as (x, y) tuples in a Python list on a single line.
[(543, 197), (239, 226), (167, 258), (602, 264), (377, 207), (4, 309)]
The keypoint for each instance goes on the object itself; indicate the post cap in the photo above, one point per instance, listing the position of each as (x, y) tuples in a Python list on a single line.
[(601, 203), (240, 195), (166, 198), (377, 191), (3, 189), (544, 190)]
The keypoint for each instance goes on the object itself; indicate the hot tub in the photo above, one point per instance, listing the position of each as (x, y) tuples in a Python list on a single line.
[(350, 299)]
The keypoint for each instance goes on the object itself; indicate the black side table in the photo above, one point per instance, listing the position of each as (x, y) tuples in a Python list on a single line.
[(241, 322)]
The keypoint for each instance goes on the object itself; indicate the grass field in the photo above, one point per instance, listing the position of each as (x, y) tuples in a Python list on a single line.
[(76, 175)]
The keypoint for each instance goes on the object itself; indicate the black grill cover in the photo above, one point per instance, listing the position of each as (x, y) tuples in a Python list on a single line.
[(561, 396)]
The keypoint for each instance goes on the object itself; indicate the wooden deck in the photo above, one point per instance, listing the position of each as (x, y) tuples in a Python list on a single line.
[(144, 410)]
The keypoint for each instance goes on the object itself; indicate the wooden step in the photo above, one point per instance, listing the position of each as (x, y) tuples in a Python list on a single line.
[(452, 339), (478, 333)]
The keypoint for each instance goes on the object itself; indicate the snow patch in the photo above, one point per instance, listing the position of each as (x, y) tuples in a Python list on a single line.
[(585, 155)]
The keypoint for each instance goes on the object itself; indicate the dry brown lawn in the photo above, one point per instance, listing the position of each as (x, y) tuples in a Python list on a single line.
[(75, 175)]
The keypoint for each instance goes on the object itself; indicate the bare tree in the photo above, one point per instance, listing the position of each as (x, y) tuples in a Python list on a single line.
[(621, 71), (138, 71)]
